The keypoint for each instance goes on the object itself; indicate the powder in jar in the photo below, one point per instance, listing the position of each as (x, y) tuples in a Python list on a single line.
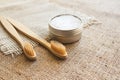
[(66, 28), (65, 22)]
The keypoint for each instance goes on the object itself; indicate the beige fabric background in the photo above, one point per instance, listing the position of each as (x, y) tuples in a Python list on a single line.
[(8, 46), (95, 57)]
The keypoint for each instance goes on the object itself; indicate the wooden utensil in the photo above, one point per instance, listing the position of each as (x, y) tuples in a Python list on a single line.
[(26, 46), (55, 47)]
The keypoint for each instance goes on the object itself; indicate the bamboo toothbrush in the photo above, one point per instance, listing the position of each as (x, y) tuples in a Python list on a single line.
[(55, 47), (27, 47)]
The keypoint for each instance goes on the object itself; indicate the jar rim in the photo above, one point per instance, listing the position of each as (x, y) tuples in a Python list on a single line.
[(50, 25)]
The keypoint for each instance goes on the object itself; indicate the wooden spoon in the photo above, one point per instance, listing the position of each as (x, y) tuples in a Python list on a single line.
[(27, 47), (55, 47)]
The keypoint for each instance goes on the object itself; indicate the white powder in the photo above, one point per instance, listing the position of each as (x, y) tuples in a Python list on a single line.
[(66, 22)]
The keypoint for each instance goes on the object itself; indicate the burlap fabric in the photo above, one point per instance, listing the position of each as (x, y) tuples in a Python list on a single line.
[(94, 57)]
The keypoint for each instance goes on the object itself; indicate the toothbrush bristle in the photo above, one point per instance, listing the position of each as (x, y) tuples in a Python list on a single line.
[(28, 48), (58, 47)]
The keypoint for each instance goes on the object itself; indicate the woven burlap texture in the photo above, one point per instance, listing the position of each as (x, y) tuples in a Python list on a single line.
[(95, 57), (10, 46)]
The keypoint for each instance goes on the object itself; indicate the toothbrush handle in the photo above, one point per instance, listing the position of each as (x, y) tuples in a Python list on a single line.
[(35, 37), (27, 48), (28, 32), (11, 30)]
